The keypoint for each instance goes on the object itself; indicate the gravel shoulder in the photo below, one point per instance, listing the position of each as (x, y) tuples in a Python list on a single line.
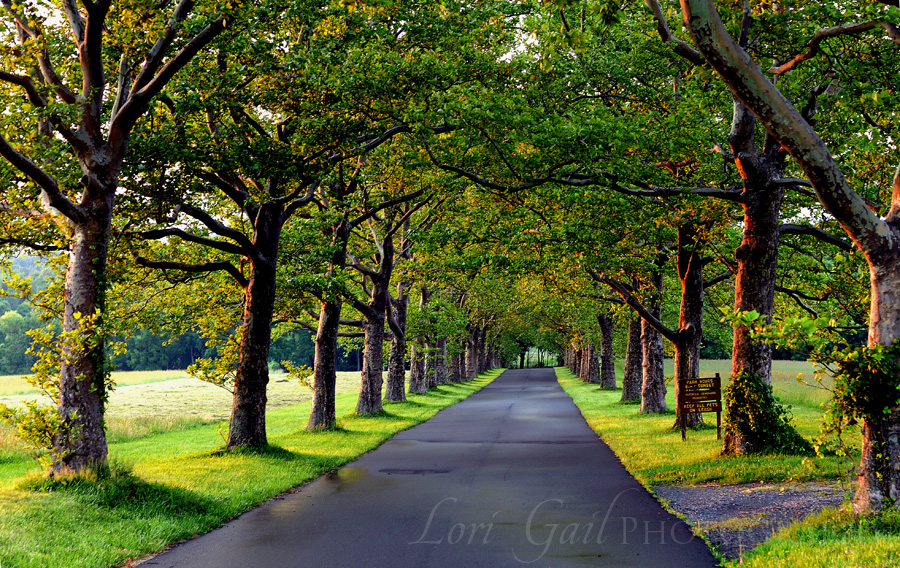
[(736, 518)]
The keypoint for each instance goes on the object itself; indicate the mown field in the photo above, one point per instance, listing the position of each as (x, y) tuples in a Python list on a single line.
[(653, 452), (170, 478)]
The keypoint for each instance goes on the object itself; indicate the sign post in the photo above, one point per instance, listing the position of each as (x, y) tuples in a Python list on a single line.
[(701, 395)]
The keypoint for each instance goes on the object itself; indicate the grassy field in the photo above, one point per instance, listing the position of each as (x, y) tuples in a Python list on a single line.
[(654, 453), (167, 486), (151, 402)]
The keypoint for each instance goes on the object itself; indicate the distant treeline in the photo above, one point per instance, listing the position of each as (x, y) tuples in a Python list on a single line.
[(145, 350)]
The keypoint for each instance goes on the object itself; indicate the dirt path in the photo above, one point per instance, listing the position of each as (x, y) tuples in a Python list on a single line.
[(736, 518)]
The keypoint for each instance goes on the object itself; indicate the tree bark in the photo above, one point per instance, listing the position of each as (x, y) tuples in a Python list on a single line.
[(248, 412), (417, 383), (607, 358), (481, 352), (81, 441), (690, 316), (322, 413), (430, 361), (396, 380), (453, 375), (472, 353), (369, 401), (440, 363), (631, 383), (757, 256), (590, 365), (579, 356), (653, 386), (461, 360)]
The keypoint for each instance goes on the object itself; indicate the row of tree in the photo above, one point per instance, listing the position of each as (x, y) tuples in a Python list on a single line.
[(451, 177)]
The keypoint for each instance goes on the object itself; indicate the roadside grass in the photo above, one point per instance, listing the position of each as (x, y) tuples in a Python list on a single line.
[(653, 452), (171, 486), (831, 539)]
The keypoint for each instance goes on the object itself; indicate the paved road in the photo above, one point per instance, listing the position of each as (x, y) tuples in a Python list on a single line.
[(512, 476)]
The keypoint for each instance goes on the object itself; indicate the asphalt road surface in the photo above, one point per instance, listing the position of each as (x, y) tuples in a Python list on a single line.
[(512, 476)]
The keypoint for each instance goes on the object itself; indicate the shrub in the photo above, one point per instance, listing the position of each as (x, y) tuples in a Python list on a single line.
[(755, 417)]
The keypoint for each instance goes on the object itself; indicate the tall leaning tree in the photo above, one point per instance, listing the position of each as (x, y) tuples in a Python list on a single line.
[(87, 73), (878, 237)]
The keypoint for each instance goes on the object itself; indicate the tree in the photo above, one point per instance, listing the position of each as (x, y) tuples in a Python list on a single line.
[(67, 146), (877, 237)]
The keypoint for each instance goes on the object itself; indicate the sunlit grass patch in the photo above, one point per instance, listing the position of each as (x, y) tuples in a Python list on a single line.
[(832, 539), (652, 449)]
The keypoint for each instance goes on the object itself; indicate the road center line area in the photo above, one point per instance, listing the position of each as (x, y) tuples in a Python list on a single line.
[(511, 476)]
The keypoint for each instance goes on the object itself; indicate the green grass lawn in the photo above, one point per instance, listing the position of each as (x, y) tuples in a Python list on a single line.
[(172, 485), (151, 402), (653, 452)]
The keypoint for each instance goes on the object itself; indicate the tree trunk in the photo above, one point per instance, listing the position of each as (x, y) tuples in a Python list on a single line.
[(631, 383), (607, 358), (417, 384), (690, 317), (481, 351), (370, 390), (322, 414), (248, 412), (879, 469), (472, 354), (653, 386), (579, 356), (396, 380), (428, 365), (80, 443), (440, 363), (590, 365), (375, 313), (757, 256), (453, 368)]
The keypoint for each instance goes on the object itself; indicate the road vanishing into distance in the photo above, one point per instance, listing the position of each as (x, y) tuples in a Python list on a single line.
[(511, 476)]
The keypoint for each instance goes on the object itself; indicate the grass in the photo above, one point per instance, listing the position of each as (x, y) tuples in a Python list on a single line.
[(18, 384), (153, 402), (832, 539), (173, 485), (654, 453)]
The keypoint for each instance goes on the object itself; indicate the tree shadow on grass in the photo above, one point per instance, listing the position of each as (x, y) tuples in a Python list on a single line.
[(267, 451), (117, 488)]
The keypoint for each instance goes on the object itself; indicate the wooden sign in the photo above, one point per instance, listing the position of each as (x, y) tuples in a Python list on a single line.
[(701, 395)]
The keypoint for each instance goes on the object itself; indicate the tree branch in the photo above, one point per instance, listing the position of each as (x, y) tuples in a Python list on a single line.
[(812, 47), (246, 245), (794, 295), (44, 181), (622, 289), (156, 234), (195, 268), (680, 48), (145, 87), (809, 230), (384, 205), (716, 279)]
